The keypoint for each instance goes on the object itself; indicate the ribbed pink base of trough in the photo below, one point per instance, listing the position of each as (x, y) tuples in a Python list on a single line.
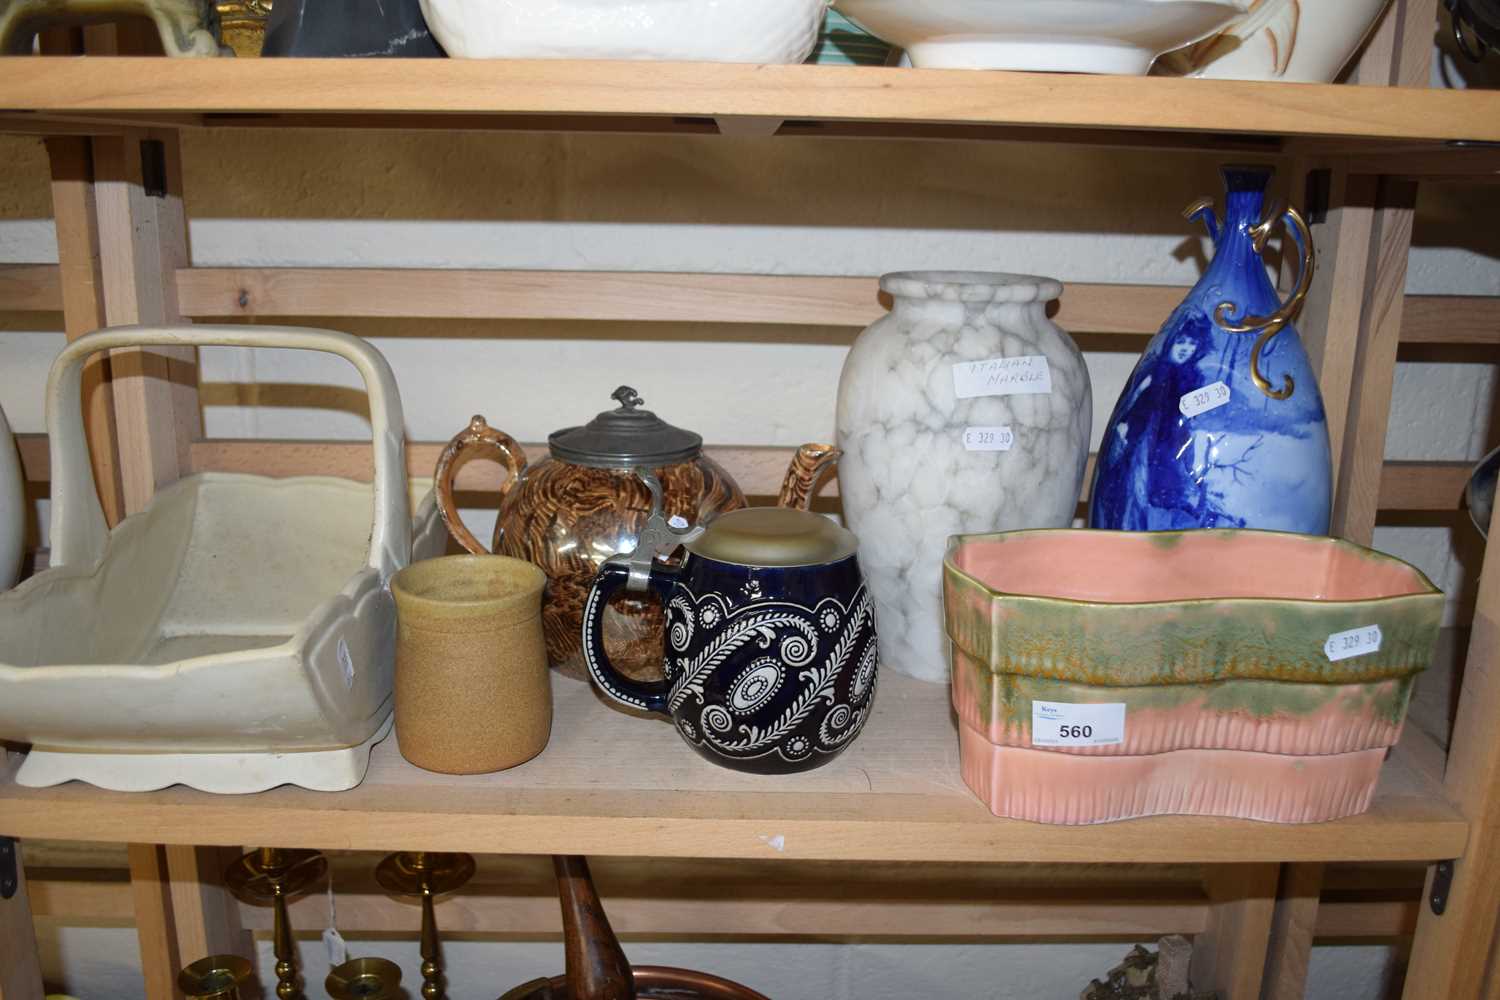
[(1330, 719), (1044, 786)]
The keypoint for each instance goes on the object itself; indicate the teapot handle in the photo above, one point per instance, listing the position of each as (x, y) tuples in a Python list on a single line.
[(510, 455), (806, 472)]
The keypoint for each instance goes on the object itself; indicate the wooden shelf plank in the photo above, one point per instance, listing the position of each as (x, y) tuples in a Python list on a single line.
[(894, 795), (1413, 486), (1451, 319), (443, 293), (758, 470), (438, 293), (709, 90), (1416, 486), (30, 288), (1430, 486), (811, 300)]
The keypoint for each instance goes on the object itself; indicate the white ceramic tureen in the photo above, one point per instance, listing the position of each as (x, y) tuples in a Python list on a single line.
[(753, 31), (1280, 40), (1068, 36)]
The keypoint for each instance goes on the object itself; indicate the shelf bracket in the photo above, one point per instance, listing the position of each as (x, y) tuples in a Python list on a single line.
[(1442, 881), (10, 876)]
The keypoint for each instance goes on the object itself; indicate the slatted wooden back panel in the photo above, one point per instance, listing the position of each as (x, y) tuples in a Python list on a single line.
[(1098, 311)]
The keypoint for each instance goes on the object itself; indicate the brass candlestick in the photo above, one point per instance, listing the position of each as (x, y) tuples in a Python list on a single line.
[(270, 876), (217, 977), (424, 875), (364, 979)]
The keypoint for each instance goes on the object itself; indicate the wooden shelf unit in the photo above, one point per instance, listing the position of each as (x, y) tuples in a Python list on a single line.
[(896, 797)]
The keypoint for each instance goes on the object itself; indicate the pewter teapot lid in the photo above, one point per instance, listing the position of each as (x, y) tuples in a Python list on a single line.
[(625, 437)]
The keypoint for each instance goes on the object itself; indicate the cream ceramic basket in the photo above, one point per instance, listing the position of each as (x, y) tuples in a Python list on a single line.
[(238, 633)]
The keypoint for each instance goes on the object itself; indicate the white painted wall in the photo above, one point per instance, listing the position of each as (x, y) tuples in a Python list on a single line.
[(710, 203)]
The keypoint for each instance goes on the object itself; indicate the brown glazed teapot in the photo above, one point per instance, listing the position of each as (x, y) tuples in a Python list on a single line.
[(584, 503)]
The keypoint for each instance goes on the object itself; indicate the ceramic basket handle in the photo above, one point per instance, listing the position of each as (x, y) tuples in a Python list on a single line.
[(1270, 325), (477, 434), (614, 575), (78, 528)]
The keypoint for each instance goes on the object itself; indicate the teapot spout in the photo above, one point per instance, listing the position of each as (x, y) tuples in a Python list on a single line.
[(809, 467)]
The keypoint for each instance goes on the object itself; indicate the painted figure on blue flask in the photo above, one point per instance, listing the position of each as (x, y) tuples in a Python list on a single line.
[(1221, 424)]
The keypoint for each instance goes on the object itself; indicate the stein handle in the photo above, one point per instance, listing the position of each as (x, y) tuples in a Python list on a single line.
[(613, 575), (639, 571), (809, 467), (1270, 325), (510, 455)]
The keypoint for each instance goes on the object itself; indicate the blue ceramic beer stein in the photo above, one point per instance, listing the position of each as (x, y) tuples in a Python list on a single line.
[(770, 652)]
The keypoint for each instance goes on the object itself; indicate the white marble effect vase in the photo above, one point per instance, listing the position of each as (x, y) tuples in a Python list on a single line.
[(965, 410)]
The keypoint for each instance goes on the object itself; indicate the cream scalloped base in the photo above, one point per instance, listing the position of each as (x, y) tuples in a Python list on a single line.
[(225, 773), (1048, 787)]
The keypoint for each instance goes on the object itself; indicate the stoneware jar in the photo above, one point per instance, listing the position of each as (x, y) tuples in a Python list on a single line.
[(964, 410), (12, 507), (582, 504), (473, 693), (770, 656), (1221, 423)]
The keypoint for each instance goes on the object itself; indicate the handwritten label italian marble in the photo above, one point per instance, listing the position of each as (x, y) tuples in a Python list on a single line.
[(1210, 397), (1024, 376), (988, 438), (1354, 642), (1069, 724)]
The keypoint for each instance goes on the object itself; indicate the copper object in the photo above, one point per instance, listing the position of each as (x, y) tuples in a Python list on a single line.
[(425, 874), (597, 967), (364, 979), (269, 876), (217, 977), (585, 502)]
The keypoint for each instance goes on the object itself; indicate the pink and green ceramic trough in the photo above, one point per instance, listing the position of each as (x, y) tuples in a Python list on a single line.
[(1192, 647)]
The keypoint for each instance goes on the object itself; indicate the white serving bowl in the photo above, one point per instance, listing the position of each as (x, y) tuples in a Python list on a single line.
[(751, 31), (1280, 40), (1072, 36)]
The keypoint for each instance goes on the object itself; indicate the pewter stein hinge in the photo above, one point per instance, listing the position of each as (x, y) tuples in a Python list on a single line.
[(657, 539)]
